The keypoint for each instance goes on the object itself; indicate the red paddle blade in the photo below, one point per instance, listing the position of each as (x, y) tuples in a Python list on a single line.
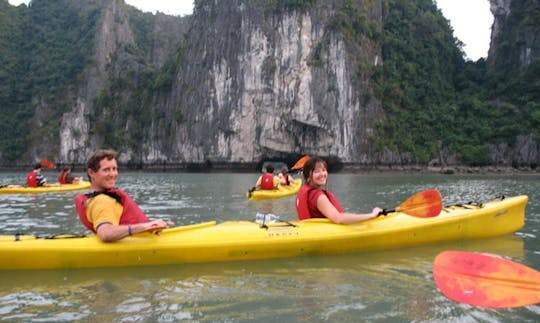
[(425, 204), (47, 163), (485, 280), (300, 163)]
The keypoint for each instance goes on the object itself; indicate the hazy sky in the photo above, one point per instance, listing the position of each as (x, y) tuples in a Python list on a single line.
[(470, 19)]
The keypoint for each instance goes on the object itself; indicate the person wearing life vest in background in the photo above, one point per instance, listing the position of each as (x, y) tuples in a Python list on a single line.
[(65, 177), (312, 201), (267, 181), (35, 178), (284, 177), (108, 211)]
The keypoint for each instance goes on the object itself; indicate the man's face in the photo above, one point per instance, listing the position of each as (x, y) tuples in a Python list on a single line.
[(105, 177)]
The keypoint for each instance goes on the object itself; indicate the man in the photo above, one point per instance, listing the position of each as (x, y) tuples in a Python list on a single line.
[(35, 178), (268, 181), (108, 211)]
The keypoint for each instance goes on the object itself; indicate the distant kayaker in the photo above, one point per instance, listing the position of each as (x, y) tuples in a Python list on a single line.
[(65, 177), (267, 181), (108, 211), (35, 178), (284, 177), (313, 201)]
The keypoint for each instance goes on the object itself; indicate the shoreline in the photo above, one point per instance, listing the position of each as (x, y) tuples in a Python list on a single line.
[(341, 168), (447, 170)]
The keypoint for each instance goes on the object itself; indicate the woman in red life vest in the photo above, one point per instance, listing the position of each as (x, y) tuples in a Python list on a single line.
[(109, 211), (313, 201), (284, 177), (65, 177)]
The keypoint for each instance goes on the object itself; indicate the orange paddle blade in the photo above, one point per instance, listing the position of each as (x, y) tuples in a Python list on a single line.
[(425, 204), (300, 163), (47, 163), (485, 280)]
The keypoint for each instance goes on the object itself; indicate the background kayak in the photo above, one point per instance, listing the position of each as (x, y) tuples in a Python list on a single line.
[(46, 189), (281, 191)]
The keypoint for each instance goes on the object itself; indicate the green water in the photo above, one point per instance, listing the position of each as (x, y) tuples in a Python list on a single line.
[(383, 286)]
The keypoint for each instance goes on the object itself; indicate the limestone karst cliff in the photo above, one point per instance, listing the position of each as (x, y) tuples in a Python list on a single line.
[(266, 83), (357, 81)]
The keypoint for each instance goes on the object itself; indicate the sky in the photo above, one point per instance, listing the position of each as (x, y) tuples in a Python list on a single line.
[(470, 19)]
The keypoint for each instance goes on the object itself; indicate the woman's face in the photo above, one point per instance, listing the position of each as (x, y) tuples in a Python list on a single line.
[(319, 175)]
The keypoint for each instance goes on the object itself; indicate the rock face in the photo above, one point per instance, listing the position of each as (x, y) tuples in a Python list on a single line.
[(114, 33), (252, 80), (264, 84), (112, 59), (515, 45), (512, 25), (253, 83)]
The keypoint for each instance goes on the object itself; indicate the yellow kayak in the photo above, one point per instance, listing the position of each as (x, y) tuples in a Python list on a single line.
[(281, 191), (245, 240), (81, 185)]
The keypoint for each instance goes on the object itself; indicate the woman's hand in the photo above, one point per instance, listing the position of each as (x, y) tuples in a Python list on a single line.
[(376, 212)]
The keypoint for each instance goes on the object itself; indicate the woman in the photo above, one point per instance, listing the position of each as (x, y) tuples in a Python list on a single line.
[(284, 177), (65, 177), (313, 201)]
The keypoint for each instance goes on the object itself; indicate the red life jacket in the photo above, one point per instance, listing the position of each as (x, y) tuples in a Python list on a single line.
[(132, 213), (303, 207), (267, 182), (31, 179), (287, 180), (62, 178)]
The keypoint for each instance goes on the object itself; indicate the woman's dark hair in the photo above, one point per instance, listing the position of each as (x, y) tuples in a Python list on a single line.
[(309, 166)]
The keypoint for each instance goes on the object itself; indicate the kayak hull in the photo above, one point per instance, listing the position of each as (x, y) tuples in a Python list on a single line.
[(82, 185), (244, 240), (280, 192)]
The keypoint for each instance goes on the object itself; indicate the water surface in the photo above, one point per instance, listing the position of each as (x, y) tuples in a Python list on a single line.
[(382, 286)]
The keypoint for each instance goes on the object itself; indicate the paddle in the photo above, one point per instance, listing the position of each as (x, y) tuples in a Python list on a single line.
[(251, 190), (485, 280), (47, 163), (300, 163), (425, 204)]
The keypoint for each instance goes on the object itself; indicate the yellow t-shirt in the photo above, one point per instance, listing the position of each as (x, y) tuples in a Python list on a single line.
[(102, 208)]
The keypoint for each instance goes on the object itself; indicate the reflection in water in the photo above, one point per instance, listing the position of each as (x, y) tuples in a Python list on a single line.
[(393, 285)]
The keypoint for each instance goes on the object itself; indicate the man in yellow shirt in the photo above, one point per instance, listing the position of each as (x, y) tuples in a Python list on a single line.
[(108, 211)]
